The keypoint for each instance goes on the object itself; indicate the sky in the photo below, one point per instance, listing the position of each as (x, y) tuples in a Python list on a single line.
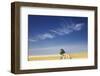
[(48, 34)]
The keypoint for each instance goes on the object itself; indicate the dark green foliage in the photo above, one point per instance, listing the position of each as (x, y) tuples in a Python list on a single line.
[(62, 51)]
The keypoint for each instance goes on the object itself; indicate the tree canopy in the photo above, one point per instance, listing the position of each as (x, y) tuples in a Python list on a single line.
[(62, 51)]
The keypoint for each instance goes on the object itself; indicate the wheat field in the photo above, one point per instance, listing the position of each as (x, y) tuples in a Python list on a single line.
[(58, 56)]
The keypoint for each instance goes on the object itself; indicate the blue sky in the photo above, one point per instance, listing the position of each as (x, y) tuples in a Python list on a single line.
[(48, 34)]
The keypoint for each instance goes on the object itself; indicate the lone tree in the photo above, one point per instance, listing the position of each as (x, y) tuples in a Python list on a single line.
[(62, 52)]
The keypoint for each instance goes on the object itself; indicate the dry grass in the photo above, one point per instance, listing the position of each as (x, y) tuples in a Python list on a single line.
[(58, 57), (79, 55)]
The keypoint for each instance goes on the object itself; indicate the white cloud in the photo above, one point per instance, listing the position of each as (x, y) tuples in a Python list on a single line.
[(58, 32), (32, 40), (65, 29), (78, 26), (42, 37), (45, 36)]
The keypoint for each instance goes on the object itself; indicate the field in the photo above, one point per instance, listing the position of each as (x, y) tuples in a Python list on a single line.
[(58, 57)]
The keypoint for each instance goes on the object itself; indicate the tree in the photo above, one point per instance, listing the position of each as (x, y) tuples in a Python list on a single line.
[(62, 51)]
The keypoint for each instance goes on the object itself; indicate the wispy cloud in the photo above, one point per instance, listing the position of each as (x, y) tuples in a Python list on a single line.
[(78, 26), (45, 36), (64, 29), (67, 29), (33, 40), (42, 37)]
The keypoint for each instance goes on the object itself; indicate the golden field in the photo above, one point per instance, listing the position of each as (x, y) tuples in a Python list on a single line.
[(58, 57)]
